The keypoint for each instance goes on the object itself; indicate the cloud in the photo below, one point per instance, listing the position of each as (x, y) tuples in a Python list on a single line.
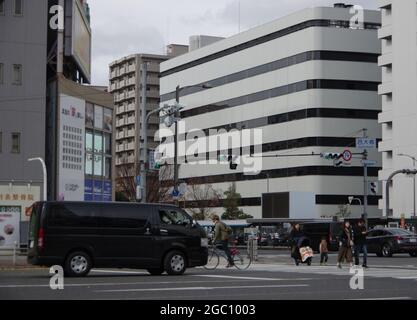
[(123, 27)]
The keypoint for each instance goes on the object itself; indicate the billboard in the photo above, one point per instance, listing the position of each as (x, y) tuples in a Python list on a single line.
[(9, 226), (20, 196), (81, 39), (71, 149)]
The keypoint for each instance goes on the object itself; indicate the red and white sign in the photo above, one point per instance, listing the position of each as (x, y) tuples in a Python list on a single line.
[(347, 155)]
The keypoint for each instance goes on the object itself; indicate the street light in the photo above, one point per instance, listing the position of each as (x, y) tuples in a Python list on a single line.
[(45, 176), (351, 199), (178, 90), (414, 179)]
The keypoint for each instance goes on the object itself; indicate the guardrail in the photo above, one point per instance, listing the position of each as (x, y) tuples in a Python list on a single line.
[(13, 251)]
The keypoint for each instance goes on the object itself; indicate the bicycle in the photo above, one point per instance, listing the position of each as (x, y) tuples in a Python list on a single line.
[(241, 261)]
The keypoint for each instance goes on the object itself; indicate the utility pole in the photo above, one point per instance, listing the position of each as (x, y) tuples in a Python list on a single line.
[(143, 134), (365, 181), (177, 99)]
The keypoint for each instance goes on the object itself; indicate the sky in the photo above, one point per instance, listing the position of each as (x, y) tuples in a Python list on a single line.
[(124, 27)]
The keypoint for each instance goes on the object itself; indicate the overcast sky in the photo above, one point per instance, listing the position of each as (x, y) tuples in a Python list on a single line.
[(123, 27)]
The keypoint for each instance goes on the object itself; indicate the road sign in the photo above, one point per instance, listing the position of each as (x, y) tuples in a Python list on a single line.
[(138, 181), (369, 163), (347, 155), (365, 143), (175, 193), (138, 193)]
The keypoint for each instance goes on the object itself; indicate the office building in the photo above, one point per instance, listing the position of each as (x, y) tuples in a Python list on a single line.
[(398, 62), (309, 82)]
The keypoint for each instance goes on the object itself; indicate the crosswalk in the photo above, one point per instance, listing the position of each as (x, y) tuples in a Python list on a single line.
[(396, 272)]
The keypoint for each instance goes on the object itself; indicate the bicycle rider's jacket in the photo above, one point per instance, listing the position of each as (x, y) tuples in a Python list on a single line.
[(220, 232)]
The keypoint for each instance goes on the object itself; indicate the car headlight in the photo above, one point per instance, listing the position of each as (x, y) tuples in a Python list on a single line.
[(204, 242)]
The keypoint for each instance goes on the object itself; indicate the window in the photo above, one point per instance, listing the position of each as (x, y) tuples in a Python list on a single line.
[(18, 8), (174, 217), (107, 168), (17, 74), (98, 165), (15, 143), (88, 164), (98, 143), (73, 215), (107, 143), (1, 70), (123, 216)]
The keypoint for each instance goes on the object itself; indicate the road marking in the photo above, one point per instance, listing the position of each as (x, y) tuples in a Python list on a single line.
[(403, 278), (389, 298), (119, 271), (248, 278), (204, 288)]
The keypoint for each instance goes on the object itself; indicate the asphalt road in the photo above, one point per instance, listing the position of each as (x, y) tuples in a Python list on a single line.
[(274, 277)]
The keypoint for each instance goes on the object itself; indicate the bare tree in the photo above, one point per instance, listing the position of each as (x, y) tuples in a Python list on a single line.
[(125, 181), (204, 198)]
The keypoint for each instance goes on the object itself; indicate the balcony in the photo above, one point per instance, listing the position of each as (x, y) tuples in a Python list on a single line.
[(130, 146), (125, 160), (131, 68), (153, 67), (120, 110), (384, 4), (385, 117), (385, 60), (130, 134), (131, 94), (120, 135), (153, 94), (153, 81), (120, 148), (385, 88), (130, 107), (120, 122), (385, 145), (385, 32), (130, 120)]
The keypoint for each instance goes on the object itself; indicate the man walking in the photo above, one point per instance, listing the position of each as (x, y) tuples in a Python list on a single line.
[(359, 240), (221, 238)]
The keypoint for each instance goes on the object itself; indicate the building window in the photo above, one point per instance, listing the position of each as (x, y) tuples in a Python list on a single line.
[(15, 143), (1, 72), (1, 7), (17, 74), (18, 8)]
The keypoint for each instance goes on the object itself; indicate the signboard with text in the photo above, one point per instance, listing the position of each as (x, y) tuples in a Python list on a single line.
[(366, 143), (20, 196), (9, 226)]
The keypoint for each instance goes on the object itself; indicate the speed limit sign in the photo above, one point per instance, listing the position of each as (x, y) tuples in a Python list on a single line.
[(347, 155)]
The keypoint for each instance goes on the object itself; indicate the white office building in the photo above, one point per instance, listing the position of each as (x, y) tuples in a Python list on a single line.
[(309, 82), (399, 102)]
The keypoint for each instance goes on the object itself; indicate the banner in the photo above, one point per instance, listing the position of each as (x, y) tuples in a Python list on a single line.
[(9, 226)]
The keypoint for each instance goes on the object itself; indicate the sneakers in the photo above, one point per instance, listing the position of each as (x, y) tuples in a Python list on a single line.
[(365, 266), (339, 266)]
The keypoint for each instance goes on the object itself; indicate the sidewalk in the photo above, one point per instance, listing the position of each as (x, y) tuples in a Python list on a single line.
[(6, 263)]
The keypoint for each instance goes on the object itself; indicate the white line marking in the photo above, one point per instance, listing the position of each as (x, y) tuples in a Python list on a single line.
[(403, 278), (204, 288), (390, 298), (247, 278), (117, 271)]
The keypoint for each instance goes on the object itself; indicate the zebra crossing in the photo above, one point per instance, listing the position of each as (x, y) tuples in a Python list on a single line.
[(396, 272)]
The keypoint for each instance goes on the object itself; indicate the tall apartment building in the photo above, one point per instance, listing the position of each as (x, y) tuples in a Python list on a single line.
[(125, 85), (399, 101), (309, 81)]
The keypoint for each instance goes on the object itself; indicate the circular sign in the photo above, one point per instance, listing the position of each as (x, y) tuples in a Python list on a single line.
[(347, 155)]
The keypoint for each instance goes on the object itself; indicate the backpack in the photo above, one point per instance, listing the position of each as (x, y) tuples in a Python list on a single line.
[(227, 229)]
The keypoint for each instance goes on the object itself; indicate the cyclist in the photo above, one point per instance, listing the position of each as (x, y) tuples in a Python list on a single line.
[(221, 238)]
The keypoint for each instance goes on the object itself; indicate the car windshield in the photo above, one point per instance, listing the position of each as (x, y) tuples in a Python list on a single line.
[(401, 232)]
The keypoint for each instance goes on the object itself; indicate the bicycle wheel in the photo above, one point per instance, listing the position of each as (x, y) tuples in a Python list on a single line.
[(212, 261), (242, 262)]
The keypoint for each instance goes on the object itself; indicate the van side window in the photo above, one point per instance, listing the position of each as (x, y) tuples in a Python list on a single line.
[(174, 217), (123, 216), (72, 215)]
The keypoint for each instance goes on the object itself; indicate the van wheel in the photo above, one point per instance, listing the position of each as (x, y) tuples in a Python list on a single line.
[(77, 264), (156, 271), (175, 263)]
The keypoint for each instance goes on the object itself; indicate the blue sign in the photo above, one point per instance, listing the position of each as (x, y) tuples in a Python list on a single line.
[(98, 187), (98, 197), (88, 186), (107, 189), (107, 197), (88, 197), (365, 143), (175, 193)]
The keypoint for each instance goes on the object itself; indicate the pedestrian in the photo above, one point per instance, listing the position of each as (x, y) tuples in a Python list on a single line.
[(359, 240), (345, 245), (324, 251), (221, 238), (295, 235)]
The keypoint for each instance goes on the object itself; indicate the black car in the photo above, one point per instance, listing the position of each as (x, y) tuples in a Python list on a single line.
[(315, 231), (387, 241), (82, 235)]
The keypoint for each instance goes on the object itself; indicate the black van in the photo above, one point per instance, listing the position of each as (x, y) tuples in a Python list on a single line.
[(316, 230), (82, 235)]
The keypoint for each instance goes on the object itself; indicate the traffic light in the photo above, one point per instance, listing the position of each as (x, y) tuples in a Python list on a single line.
[(332, 156), (373, 188), (232, 164)]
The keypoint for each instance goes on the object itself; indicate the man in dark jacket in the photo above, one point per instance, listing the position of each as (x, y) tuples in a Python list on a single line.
[(295, 235), (359, 240)]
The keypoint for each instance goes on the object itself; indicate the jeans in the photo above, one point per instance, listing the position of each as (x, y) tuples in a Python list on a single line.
[(224, 244), (358, 249), (324, 257)]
